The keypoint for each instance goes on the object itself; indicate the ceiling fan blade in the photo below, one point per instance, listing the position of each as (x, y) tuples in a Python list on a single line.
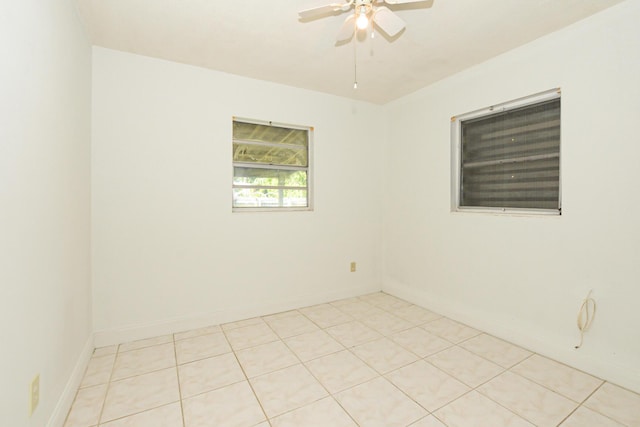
[(388, 21), (322, 10), (404, 1), (347, 29)]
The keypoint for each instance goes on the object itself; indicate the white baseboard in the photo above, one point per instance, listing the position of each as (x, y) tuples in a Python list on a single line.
[(543, 344), (140, 331), (65, 401)]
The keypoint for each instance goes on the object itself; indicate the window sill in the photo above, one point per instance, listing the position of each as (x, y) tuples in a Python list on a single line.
[(249, 210), (509, 212)]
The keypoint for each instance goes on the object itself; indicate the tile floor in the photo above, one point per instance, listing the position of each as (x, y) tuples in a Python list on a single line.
[(374, 360)]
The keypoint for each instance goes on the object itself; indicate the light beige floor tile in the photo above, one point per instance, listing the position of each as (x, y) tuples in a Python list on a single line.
[(292, 325), (340, 371), (135, 345), (386, 323), (287, 389), (373, 297), (345, 301), (164, 416), (242, 323), (378, 403), (427, 385), (384, 301), (390, 303), (209, 374), (98, 370), (198, 332), (323, 413), (232, 406), (420, 341), (428, 421), (143, 360), (313, 345), (105, 351), (353, 333), (266, 358), (569, 382), (531, 401), (250, 336), (499, 352), (450, 330), (617, 403), (191, 349), (281, 315), (373, 311), (416, 315), (585, 417), (325, 315), (86, 407), (475, 410), (384, 355), (355, 308), (138, 394), (144, 389), (465, 366)]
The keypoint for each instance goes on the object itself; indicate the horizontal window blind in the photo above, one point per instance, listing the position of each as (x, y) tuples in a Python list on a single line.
[(511, 159)]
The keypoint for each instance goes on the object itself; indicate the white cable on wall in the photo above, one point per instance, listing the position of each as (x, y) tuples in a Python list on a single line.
[(585, 316)]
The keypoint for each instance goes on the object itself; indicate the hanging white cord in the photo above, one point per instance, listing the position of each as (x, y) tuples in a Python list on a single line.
[(585, 316)]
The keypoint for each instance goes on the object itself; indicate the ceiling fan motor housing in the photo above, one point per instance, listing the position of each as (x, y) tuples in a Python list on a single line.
[(365, 3), (364, 11)]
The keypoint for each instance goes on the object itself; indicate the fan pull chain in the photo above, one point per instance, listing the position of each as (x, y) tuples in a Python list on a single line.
[(355, 63)]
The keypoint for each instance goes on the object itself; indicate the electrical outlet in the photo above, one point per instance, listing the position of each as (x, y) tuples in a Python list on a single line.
[(353, 266), (34, 395)]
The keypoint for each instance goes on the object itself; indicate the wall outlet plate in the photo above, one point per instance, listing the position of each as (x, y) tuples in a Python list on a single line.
[(353, 266)]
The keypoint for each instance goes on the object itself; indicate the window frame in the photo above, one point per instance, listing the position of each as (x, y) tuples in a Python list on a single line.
[(308, 168), (456, 155)]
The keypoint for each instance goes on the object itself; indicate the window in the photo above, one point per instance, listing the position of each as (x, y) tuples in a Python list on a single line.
[(270, 166), (507, 157)]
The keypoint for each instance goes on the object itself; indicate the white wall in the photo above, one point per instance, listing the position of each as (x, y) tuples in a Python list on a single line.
[(524, 278), (45, 294), (168, 253)]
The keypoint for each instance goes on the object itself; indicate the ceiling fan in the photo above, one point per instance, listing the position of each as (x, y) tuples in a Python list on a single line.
[(364, 11)]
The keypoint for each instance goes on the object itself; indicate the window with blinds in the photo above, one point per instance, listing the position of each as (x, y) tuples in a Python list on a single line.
[(508, 156), (270, 166)]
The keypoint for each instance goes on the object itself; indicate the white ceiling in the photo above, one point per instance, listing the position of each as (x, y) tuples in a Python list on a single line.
[(264, 39)]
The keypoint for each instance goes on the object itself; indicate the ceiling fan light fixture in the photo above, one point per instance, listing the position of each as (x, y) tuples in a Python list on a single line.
[(381, 17), (362, 22)]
